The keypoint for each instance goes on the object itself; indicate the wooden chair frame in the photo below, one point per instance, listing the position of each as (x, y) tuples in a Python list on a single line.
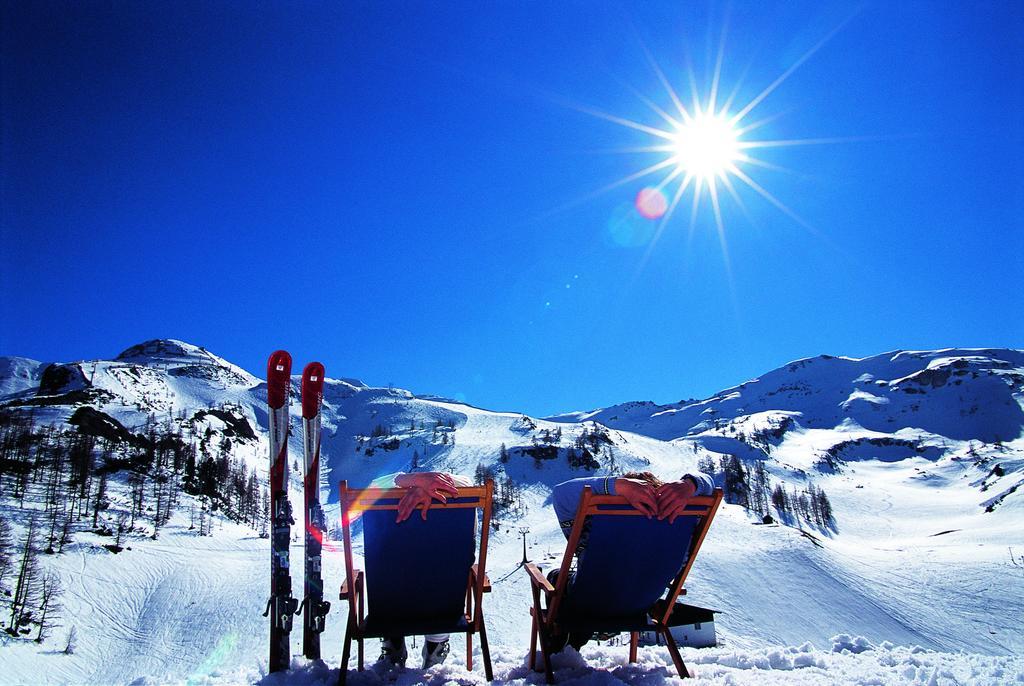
[(353, 588), (545, 622)]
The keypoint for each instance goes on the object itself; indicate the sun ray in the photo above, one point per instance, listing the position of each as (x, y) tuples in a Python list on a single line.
[(646, 171), (665, 220), (786, 74), (785, 143), (765, 165), (744, 130), (727, 106), (694, 91), (773, 200), (575, 202), (720, 225), (687, 180), (664, 182), (621, 121), (628, 149), (694, 207), (713, 95), (669, 119), (683, 113), (727, 182), (683, 185), (713, 192), (731, 187)]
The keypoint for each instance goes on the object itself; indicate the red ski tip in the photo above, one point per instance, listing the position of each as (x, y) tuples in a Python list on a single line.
[(312, 389), (279, 374)]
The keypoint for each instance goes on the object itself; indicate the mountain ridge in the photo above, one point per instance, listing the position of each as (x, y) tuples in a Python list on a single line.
[(923, 510)]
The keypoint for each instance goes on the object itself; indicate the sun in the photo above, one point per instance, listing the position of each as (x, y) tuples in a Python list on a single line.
[(706, 146)]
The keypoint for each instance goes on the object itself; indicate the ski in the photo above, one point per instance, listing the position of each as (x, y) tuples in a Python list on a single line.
[(314, 607), (282, 606)]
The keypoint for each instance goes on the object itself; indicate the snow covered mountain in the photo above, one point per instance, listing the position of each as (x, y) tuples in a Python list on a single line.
[(921, 455), (960, 394)]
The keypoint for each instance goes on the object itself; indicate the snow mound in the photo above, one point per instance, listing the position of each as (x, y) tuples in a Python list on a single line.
[(803, 665)]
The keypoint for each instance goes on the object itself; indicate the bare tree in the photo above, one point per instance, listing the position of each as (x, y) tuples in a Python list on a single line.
[(761, 487), (57, 518), (65, 534), (137, 482), (6, 558), (122, 521), (50, 592), (100, 502), (264, 513), (26, 590)]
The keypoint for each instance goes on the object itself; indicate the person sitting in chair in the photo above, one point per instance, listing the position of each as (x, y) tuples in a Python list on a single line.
[(643, 490), (422, 488)]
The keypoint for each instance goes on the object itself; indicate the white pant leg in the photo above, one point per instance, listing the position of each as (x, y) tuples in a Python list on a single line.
[(436, 638)]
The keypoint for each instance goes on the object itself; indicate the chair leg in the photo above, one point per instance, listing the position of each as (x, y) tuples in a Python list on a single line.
[(359, 650), (545, 651), (343, 672), (634, 639), (673, 650), (486, 652), (533, 642), (469, 651)]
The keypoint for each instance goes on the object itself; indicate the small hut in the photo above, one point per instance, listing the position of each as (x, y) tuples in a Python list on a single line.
[(691, 626)]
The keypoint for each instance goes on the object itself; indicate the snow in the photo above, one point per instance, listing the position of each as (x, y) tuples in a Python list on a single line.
[(912, 585), (19, 374), (850, 660)]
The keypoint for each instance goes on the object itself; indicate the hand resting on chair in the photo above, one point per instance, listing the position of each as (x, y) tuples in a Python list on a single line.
[(422, 488)]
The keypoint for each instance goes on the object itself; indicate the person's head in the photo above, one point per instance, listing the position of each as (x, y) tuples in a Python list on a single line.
[(646, 477)]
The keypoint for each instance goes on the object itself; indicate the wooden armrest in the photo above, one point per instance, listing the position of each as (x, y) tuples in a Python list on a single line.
[(486, 579), (346, 592), (537, 577)]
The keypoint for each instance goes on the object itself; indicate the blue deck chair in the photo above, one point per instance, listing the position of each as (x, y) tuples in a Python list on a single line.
[(421, 577), (628, 575)]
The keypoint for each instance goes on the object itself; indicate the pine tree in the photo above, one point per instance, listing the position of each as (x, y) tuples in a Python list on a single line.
[(264, 513), (779, 499), (798, 501), (706, 465), (825, 507), (736, 487)]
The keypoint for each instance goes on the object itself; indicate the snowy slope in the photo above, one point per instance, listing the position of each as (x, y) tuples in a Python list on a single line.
[(907, 455), (19, 374)]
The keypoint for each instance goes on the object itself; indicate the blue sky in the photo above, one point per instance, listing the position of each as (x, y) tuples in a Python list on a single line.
[(408, 192)]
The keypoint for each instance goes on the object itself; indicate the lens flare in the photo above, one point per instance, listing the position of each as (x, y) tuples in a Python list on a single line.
[(651, 203)]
